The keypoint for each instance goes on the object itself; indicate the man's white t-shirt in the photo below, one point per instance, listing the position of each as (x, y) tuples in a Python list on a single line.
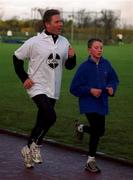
[(46, 61)]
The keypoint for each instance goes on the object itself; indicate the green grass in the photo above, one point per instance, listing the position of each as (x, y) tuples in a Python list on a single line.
[(17, 112)]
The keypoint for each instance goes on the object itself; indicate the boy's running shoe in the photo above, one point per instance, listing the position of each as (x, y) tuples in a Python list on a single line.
[(91, 166), (79, 130)]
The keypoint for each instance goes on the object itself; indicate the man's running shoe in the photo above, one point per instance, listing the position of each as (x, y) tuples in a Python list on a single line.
[(26, 153), (35, 153)]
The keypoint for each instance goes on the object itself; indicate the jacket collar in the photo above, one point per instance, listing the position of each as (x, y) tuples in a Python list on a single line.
[(91, 60)]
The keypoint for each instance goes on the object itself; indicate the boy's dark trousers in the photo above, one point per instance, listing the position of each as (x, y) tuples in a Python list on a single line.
[(96, 130), (46, 117)]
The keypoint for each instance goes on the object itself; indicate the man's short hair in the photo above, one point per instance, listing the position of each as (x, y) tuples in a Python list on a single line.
[(49, 13), (92, 40)]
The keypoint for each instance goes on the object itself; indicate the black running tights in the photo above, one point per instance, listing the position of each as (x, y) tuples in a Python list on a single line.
[(46, 117), (96, 130)]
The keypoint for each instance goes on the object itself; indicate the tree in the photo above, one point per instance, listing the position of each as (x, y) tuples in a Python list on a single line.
[(109, 21), (83, 18), (14, 24)]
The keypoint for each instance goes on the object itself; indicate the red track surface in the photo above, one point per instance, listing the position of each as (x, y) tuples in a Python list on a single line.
[(59, 164)]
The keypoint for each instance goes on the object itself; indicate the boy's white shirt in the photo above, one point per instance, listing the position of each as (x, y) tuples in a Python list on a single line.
[(37, 49)]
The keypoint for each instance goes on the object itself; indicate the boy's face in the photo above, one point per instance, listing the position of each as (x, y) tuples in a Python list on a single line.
[(96, 50), (55, 25)]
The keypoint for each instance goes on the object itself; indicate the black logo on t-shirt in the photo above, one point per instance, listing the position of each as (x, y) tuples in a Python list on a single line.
[(53, 62)]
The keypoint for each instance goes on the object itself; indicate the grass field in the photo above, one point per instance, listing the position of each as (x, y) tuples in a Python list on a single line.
[(17, 112)]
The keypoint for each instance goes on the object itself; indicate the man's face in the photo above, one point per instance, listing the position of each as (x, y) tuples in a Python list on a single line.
[(96, 50), (55, 25)]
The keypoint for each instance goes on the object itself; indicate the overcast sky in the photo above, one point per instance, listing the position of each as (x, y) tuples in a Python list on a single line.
[(22, 8)]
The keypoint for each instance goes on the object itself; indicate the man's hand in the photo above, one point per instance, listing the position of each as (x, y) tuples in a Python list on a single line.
[(110, 91), (95, 92), (71, 52), (28, 83)]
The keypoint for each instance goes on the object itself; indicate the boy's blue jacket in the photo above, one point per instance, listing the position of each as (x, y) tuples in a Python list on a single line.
[(91, 75)]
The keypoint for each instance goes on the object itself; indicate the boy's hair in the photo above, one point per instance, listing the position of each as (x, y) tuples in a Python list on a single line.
[(92, 40), (48, 14)]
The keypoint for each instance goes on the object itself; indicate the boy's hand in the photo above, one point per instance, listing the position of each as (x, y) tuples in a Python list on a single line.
[(110, 91), (95, 92), (28, 83)]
